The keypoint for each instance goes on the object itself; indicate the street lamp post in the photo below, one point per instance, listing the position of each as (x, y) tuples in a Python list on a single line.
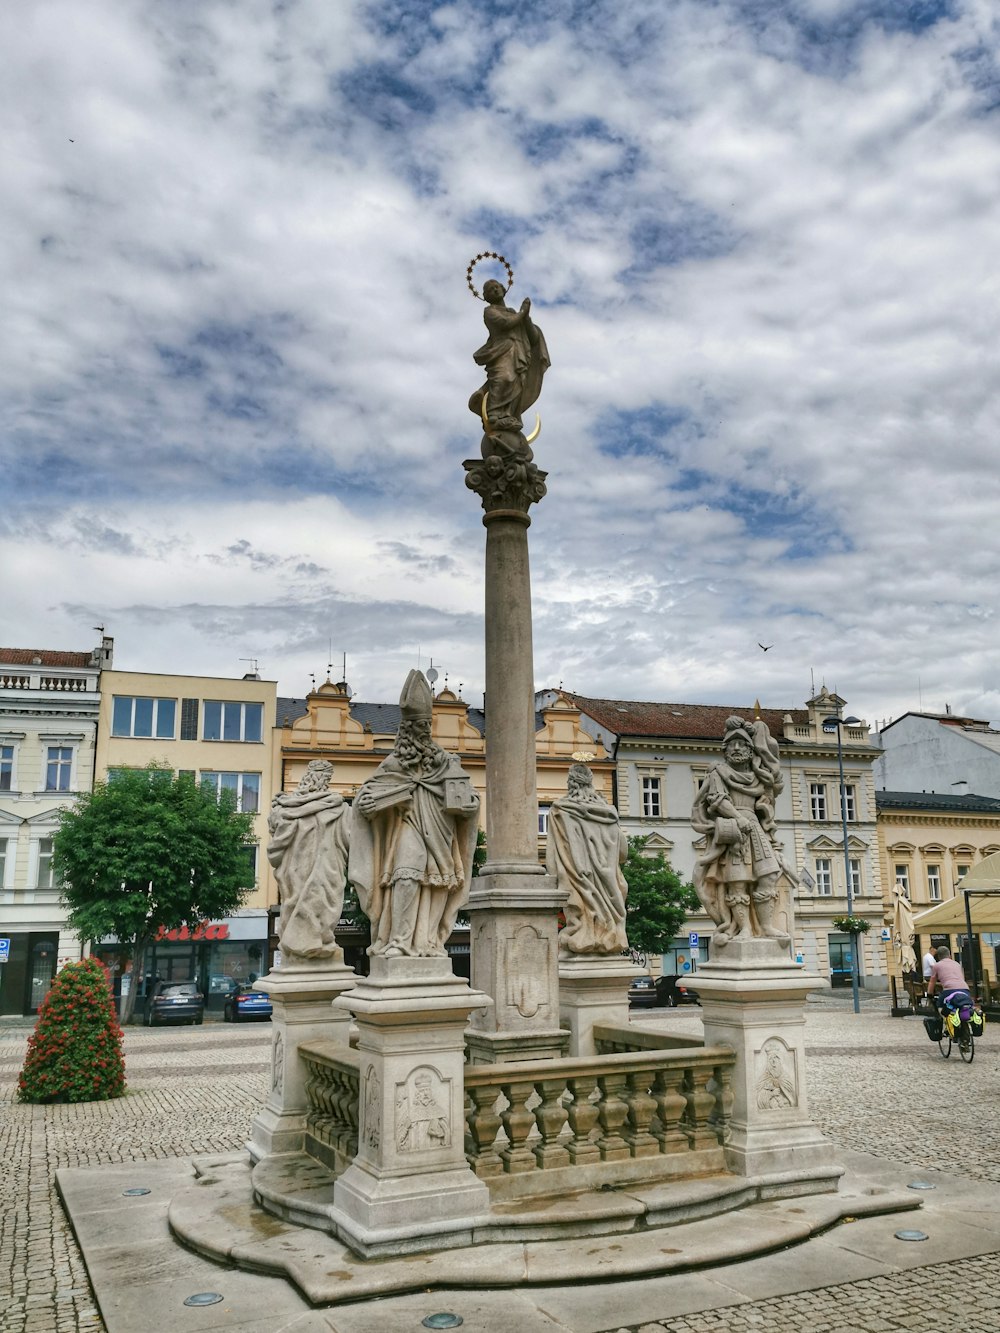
[(830, 725)]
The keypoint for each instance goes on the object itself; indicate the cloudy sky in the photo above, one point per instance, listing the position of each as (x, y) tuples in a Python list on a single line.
[(761, 239)]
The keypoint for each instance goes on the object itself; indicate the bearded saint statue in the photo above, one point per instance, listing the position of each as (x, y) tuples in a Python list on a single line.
[(414, 837)]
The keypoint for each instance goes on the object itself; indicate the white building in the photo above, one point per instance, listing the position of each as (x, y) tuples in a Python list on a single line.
[(939, 752), (49, 704)]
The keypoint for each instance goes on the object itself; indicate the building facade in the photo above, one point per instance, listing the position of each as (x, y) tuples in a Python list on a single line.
[(663, 751), (220, 731), (939, 752), (49, 703), (928, 842)]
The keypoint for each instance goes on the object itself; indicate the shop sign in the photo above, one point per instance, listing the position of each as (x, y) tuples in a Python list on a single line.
[(4, 950), (207, 930)]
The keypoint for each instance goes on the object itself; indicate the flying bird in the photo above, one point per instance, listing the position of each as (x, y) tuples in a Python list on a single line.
[(765, 647)]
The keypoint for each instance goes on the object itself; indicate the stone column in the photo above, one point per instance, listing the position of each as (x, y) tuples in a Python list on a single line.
[(410, 1179), (302, 1010), (513, 906), (756, 1005)]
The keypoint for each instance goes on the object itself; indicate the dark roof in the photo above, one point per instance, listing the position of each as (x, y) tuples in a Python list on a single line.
[(948, 719), (624, 717), (51, 657), (933, 800)]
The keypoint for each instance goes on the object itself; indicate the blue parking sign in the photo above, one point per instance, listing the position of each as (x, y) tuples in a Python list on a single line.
[(693, 939), (4, 950)]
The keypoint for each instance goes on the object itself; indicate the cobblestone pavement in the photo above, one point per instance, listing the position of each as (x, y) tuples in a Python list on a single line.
[(876, 1085)]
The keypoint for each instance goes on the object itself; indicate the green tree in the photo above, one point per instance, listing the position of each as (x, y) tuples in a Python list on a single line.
[(147, 849), (75, 1051), (658, 899)]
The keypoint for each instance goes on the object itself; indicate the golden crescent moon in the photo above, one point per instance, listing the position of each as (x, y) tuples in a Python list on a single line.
[(482, 412), (535, 433)]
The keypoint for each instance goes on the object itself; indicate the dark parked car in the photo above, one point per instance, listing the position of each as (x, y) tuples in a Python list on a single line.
[(174, 1002), (246, 1003), (676, 990), (642, 993), (663, 992)]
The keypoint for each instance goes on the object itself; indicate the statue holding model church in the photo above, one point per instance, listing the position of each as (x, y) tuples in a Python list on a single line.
[(414, 837)]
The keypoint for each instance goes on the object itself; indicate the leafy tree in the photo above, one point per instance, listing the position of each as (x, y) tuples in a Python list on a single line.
[(147, 849), (75, 1051), (658, 899)]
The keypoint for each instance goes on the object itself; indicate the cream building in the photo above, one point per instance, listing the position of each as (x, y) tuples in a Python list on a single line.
[(928, 841), (48, 720), (221, 731)]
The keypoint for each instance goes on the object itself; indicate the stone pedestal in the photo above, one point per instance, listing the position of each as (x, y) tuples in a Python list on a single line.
[(592, 989), (755, 1003), (410, 1178), (513, 932), (302, 1010)]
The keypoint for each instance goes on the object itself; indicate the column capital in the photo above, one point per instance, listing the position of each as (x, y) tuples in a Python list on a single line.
[(505, 483)]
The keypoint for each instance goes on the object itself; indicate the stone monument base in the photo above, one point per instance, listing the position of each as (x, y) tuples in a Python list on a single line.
[(514, 915), (753, 1000), (593, 988), (410, 1176), (302, 1010)]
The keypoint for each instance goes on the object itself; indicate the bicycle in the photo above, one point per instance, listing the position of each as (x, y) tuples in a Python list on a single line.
[(963, 1035)]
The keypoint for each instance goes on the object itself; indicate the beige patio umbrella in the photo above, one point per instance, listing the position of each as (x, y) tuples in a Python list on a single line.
[(902, 929)]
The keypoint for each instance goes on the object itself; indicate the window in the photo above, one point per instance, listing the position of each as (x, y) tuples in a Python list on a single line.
[(226, 721), (849, 807), (45, 877), (651, 798), (903, 877), (58, 767), (817, 800), (251, 853), (3, 863), (961, 871), (856, 888), (543, 820), (134, 716), (6, 767), (244, 786), (189, 719), (934, 883), (824, 876)]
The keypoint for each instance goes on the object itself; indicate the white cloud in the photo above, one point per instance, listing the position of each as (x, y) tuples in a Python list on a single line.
[(760, 243)]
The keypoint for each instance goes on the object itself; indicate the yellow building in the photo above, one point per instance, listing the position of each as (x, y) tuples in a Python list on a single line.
[(356, 737), (928, 841), (221, 731)]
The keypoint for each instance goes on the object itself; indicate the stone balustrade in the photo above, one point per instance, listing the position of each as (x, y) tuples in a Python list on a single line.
[(545, 1127), (13, 682), (333, 1088)]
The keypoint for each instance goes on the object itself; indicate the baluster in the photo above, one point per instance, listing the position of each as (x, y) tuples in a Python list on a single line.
[(483, 1127), (700, 1105), (722, 1087), (670, 1107), (641, 1109), (583, 1116), (353, 1100), (612, 1112), (518, 1122), (550, 1118)]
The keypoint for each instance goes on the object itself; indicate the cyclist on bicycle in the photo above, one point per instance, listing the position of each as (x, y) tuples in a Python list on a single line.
[(948, 977)]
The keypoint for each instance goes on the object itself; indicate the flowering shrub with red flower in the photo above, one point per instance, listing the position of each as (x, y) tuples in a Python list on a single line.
[(75, 1052)]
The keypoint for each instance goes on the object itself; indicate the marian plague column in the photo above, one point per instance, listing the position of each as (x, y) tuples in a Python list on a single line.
[(513, 905)]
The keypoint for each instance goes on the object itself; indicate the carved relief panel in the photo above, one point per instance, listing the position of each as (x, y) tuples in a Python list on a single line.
[(777, 1084), (423, 1111), (527, 969)]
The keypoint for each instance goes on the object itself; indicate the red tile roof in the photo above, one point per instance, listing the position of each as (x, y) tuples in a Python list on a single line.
[(626, 717), (50, 657)]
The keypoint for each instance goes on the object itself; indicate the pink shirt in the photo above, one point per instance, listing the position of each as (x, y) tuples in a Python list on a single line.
[(948, 975)]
